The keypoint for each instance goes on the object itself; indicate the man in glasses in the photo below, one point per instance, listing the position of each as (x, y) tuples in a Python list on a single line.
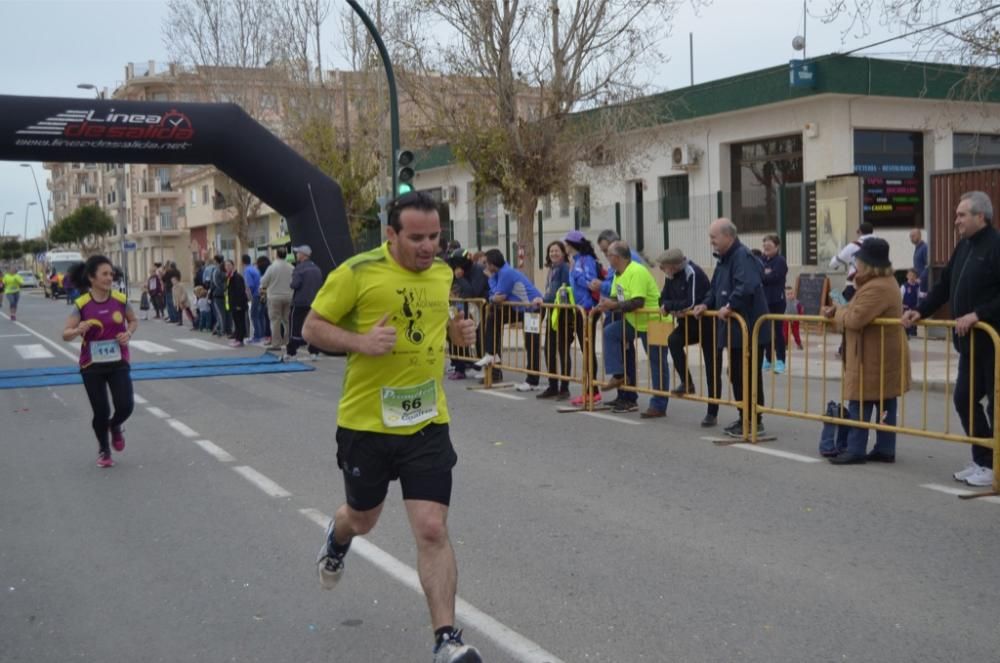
[(388, 308)]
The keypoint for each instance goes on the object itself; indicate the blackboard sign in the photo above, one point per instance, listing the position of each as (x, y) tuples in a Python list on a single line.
[(812, 291)]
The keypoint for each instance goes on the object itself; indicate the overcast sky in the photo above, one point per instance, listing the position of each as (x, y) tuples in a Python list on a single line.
[(47, 47)]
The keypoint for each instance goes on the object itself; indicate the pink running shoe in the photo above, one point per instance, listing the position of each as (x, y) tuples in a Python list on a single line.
[(104, 460), (577, 401), (118, 439)]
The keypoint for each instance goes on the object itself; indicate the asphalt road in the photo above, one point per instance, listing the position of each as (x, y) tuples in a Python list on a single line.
[(579, 537)]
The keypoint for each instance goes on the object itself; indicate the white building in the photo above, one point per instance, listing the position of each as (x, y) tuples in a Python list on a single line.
[(736, 145)]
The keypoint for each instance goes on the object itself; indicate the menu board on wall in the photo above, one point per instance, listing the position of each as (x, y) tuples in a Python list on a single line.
[(891, 191)]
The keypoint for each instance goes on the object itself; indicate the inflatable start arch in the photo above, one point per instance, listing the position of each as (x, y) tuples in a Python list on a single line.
[(223, 135)]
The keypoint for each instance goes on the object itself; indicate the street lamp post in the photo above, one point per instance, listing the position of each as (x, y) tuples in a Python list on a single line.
[(45, 216), (90, 86), (26, 208), (3, 230)]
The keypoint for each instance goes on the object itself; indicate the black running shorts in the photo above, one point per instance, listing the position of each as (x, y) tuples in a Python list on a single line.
[(422, 462)]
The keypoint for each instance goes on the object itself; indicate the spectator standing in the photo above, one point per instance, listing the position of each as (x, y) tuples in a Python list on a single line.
[(204, 308), (470, 282), (970, 283), (154, 285), (509, 285), (685, 287), (792, 307), (632, 288), (252, 278), (263, 262), (559, 326), (276, 285), (183, 304), (236, 303), (217, 291), (306, 282), (910, 290), (584, 273), (737, 287), (775, 278), (872, 351), (845, 258), (921, 262), (171, 277)]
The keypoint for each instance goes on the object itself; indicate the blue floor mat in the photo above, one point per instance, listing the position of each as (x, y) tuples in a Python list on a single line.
[(155, 370)]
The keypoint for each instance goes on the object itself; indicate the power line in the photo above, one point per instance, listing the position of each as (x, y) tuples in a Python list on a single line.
[(923, 29)]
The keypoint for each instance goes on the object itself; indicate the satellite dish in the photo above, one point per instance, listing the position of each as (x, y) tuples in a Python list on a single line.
[(799, 43)]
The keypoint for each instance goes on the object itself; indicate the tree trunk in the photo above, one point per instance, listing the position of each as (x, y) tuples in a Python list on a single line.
[(526, 206)]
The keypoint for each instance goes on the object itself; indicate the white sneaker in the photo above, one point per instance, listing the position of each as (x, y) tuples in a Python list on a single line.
[(486, 361), (475, 375), (527, 386), (983, 478), (314, 356), (964, 474)]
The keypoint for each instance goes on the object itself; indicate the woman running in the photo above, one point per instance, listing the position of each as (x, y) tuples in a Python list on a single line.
[(12, 282), (105, 322)]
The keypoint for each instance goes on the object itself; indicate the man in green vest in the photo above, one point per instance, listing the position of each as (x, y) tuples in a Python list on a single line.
[(632, 288)]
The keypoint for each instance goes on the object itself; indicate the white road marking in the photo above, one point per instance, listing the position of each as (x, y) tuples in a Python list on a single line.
[(34, 351), (505, 638), (613, 417), (13, 335), (183, 429), (948, 490), (157, 412), (256, 478), (139, 399), (499, 394), (202, 345), (215, 450), (788, 455), (52, 343), (150, 347)]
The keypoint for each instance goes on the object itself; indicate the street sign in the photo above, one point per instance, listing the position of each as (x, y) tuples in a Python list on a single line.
[(128, 246)]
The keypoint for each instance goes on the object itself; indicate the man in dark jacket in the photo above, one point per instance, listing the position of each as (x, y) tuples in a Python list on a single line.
[(971, 285), (307, 279), (470, 282), (217, 293), (737, 287), (685, 287)]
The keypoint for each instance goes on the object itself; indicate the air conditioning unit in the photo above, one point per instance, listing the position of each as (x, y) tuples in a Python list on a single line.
[(683, 157), (449, 194)]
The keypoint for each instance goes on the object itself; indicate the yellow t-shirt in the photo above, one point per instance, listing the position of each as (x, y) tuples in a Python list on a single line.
[(400, 392), (634, 283), (12, 283)]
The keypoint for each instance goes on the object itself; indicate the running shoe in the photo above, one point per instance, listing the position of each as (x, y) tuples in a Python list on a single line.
[(578, 400), (451, 649), (118, 439), (329, 563), (104, 459)]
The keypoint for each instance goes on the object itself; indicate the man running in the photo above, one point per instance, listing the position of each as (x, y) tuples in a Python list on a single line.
[(388, 308)]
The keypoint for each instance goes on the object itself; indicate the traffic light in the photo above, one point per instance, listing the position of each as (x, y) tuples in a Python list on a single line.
[(404, 172)]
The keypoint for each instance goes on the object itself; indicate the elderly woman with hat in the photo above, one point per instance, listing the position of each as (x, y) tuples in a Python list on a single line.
[(876, 357)]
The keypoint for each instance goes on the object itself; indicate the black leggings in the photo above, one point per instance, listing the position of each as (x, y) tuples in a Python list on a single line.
[(97, 382)]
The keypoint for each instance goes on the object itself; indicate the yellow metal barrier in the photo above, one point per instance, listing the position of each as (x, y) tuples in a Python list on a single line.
[(801, 359), (705, 385), (537, 340), (473, 309)]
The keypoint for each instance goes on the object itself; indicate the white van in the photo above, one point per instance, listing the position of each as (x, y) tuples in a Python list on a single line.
[(56, 265)]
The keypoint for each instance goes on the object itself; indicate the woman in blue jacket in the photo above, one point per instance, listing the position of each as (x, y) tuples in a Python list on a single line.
[(583, 270)]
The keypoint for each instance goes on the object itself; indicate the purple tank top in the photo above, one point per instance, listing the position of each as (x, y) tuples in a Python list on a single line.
[(99, 344)]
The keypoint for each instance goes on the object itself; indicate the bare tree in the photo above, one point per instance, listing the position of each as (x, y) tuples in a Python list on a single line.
[(516, 73), (973, 40), (232, 46)]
